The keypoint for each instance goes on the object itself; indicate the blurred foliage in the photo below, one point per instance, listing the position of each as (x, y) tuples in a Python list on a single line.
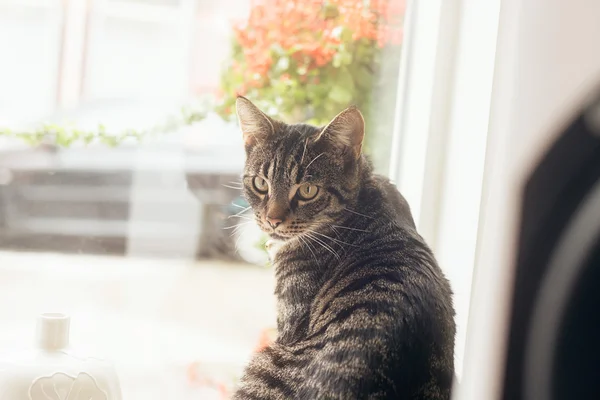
[(298, 60), (307, 60), (64, 135)]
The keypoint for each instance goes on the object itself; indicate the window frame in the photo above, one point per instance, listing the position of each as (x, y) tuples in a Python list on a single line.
[(441, 131)]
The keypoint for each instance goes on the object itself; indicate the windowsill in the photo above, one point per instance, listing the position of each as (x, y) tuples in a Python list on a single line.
[(157, 317)]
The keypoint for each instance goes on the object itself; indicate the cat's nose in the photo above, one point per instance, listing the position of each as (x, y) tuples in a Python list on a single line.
[(274, 221)]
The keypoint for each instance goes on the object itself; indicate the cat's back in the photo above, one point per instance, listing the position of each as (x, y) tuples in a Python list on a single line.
[(382, 235), (389, 283), (391, 243)]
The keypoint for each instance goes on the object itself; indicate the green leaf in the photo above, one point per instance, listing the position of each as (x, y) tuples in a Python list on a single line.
[(346, 35), (346, 58), (330, 11), (363, 77), (337, 60), (344, 78), (340, 94)]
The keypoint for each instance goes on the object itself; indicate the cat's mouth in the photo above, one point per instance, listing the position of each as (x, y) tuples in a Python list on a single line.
[(280, 236), (287, 231), (277, 236)]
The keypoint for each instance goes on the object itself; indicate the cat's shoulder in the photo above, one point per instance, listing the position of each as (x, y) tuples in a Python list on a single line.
[(396, 202)]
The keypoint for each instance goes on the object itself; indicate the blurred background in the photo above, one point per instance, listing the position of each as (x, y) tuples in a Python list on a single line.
[(120, 159)]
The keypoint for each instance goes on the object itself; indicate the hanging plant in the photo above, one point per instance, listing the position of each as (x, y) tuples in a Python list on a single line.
[(64, 135)]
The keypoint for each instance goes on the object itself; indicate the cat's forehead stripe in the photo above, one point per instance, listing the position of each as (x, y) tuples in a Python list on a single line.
[(265, 169), (299, 152), (293, 170), (271, 169)]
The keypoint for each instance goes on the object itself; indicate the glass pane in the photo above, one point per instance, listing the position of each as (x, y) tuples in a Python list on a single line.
[(30, 47), (120, 203), (150, 2)]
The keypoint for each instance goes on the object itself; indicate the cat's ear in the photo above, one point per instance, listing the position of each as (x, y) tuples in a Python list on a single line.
[(255, 124), (346, 131)]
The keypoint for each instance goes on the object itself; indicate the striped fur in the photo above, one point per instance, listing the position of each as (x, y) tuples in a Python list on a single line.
[(364, 311)]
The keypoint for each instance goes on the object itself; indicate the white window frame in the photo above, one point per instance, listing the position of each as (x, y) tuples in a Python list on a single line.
[(83, 31), (52, 38), (440, 132)]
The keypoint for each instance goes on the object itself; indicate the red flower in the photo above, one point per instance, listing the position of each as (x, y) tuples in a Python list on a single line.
[(310, 29)]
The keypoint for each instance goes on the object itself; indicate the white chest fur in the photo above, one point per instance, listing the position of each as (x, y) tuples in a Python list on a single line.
[(273, 247)]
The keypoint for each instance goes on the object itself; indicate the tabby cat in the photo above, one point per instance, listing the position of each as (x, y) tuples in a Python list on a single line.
[(364, 311)]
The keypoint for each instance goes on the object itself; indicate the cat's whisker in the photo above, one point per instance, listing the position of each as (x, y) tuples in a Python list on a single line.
[(323, 244), (241, 216), (243, 210), (335, 240), (308, 246), (231, 187), (238, 228), (337, 234), (237, 242), (304, 151), (357, 213), (313, 251), (313, 160), (350, 229), (242, 207), (237, 225)]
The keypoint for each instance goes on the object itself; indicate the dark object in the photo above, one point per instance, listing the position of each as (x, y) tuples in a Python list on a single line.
[(554, 346)]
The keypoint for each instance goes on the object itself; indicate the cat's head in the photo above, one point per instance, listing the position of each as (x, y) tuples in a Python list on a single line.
[(298, 178)]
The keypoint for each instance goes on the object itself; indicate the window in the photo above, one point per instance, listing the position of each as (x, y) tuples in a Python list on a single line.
[(120, 159), (30, 44), (133, 231)]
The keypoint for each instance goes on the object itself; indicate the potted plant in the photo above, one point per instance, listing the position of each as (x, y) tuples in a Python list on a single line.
[(306, 60)]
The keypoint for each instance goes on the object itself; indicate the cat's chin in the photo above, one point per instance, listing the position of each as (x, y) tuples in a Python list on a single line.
[(276, 237)]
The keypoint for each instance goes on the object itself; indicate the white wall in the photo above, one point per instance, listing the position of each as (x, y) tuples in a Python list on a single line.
[(548, 59)]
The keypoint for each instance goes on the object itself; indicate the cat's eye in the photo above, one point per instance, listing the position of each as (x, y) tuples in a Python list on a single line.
[(260, 185), (307, 191)]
